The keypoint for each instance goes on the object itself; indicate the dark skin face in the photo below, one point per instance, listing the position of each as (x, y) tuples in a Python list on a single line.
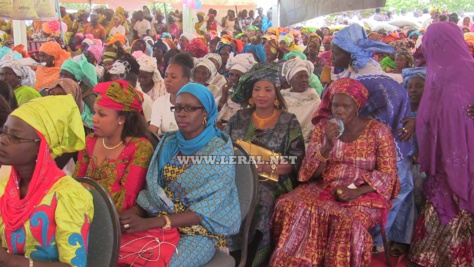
[(94, 19), (270, 56), (300, 82), (200, 18), (264, 95), (58, 90), (45, 58), (415, 88), (18, 154), (234, 76), (340, 58), (174, 78), (327, 45), (401, 61), (158, 54), (138, 46), (189, 123), (84, 46), (344, 107), (90, 57), (66, 74), (251, 13), (313, 49), (201, 75), (183, 42), (9, 76), (224, 53), (146, 80)]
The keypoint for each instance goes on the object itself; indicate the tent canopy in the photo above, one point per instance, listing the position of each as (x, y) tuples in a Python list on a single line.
[(295, 11)]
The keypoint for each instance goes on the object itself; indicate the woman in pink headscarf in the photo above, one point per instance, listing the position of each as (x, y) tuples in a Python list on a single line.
[(444, 230)]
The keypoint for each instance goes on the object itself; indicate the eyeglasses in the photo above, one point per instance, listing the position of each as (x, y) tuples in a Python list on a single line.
[(11, 138), (186, 109)]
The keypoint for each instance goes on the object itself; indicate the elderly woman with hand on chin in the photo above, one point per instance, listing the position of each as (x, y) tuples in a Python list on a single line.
[(353, 164)]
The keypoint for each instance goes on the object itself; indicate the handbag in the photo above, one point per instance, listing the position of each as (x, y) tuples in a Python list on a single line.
[(264, 154), (151, 248)]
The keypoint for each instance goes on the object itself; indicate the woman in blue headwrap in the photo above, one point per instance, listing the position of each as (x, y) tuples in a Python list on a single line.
[(257, 51), (414, 82), (352, 57), (199, 198)]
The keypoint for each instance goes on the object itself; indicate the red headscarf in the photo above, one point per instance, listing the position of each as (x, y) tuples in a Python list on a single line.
[(197, 48), (16, 211), (239, 45), (347, 86), (119, 95)]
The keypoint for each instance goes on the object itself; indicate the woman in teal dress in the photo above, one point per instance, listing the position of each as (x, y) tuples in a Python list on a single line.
[(199, 199)]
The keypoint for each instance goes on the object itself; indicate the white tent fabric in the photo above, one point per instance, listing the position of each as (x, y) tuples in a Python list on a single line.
[(295, 11)]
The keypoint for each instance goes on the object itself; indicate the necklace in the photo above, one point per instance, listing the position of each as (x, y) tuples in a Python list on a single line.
[(110, 148), (261, 122)]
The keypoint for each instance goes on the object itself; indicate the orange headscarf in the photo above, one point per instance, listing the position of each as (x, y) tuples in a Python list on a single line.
[(117, 38), (46, 76)]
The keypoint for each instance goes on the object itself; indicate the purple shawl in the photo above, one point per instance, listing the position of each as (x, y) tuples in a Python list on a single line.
[(445, 132)]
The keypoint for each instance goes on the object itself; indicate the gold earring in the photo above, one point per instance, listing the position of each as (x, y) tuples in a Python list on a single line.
[(204, 121), (251, 102), (276, 103)]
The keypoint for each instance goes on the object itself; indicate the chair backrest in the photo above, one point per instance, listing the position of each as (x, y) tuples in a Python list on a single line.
[(104, 233), (246, 180), (153, 138)]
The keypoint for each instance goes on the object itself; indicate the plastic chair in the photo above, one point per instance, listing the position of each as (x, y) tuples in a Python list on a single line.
[(246, 180), (104, 234), (153, 138)]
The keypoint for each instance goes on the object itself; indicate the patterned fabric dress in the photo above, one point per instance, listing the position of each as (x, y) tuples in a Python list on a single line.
[(58, 229), (285, 138), (311, 228), (123, 177), (208, 190)]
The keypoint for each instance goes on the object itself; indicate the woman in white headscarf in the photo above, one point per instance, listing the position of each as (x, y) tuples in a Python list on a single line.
[(301, 99), (237, 65), (121, 70), (219, 80), (185, 39), (203, 72), (20, 77), (149, 78)]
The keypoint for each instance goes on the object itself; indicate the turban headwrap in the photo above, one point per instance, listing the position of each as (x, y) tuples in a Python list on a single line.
[(119, 95), (407, 74), (347, 86)]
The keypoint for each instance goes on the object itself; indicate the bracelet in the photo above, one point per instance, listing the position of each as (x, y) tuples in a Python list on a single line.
[(167, 222), (320, 157)]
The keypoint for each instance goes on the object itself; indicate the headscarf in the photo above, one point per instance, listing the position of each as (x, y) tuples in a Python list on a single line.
[(110, 53), (386, 63), (161, 45), (448, 159), (54, 49), (120, 68), (293, 66), (197, 48), (119, 95), (188, 36), (117, 38), (413, 33), (289, 40), (170, 43), (409, 73), (147, 48), (96, 51), (5, 50), (353, 88), (72, 88), (273, 46), (392, 37), (148, 64), (257, 50), (408, 55), (353, 39), (189, 147), (82, 70), (207, 64), (314, 37), (263, 71), (295, 53), (240, 62), (59, 126), (222, 46), (21, 68), (215, 56), (88, 41), (239, 45)]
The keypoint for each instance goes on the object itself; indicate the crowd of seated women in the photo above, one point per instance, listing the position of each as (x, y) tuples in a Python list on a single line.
[(356, 160)]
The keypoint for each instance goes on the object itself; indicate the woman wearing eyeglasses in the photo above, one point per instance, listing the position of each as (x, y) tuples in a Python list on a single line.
[(45, 214), (267, 124), (117, 154), (199, 199), (178, 73)]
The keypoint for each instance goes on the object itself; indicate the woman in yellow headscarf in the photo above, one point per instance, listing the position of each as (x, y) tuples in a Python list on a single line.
[(53, 55), (45, 214)]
